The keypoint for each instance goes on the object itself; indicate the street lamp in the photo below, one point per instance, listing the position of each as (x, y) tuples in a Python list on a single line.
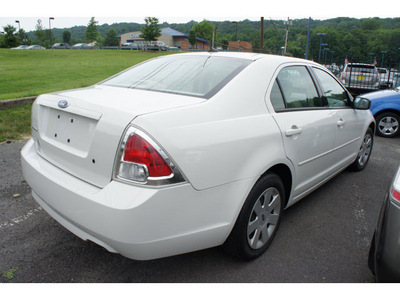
[(51, 18), (383, 55), (321, 35), (325, 54)]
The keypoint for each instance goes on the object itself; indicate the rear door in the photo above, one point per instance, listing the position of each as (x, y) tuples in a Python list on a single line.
[(307, 127), (349, 122)]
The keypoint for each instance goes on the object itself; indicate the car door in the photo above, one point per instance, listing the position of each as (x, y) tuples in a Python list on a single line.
[(349, 122), (307, 127)]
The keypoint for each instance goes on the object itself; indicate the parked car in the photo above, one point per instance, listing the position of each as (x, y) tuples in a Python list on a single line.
[(383, 77), (82, 46), (61, 46), (360, 77), (156, 45), (384, 254), (134, 46), (385, 106), (36, 47), (20, 47), (195, 150)]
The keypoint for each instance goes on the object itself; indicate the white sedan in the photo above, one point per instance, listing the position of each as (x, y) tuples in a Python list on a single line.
[(190, 151)]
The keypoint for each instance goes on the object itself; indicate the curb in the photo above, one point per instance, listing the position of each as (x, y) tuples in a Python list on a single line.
[(5, 104)]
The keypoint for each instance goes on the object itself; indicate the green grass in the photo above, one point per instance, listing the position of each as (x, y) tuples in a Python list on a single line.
[(15, 123), (25, 73)]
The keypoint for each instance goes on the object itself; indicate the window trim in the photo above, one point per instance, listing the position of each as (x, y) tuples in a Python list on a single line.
[(318, 82), (317, 85)]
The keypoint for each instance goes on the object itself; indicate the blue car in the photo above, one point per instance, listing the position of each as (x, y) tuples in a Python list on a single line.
[(385, 106)]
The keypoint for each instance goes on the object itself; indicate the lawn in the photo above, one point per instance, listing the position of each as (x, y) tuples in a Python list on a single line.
[(25, 73)]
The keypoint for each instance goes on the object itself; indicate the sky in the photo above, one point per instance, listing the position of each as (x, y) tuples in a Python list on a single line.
[(78, 12)]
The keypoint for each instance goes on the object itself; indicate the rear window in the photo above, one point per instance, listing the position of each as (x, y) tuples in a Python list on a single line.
[(361, 68), (199, 76)]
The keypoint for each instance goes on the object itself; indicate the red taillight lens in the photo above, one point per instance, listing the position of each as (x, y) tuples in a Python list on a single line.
[(139, 151), (395, 194)]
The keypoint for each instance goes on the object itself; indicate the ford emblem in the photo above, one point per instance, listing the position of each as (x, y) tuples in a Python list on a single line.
[(63, 104)]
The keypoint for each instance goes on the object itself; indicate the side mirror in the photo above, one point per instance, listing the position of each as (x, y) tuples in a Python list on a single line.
[(361, 103)]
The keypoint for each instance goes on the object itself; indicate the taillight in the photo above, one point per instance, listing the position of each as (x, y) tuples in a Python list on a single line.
[(395, 194), (139, 151), (395, 188), (141, 160)]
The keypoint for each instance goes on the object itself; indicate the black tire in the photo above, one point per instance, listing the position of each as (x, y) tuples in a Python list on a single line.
[(365, 152), (258, 220), (387, 124), (371, 255)]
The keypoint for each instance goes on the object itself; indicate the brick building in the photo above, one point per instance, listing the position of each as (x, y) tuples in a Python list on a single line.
[(240, 46)]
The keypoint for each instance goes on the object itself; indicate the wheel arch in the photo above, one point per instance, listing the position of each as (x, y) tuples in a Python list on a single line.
[(390, 110), (284, 172)]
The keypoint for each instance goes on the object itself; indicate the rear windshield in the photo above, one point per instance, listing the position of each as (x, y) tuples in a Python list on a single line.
[(199, 76), (361, 69)]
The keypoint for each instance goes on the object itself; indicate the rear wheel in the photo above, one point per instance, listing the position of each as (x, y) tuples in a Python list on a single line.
[(365, 151), (258, 220), (387, 124)]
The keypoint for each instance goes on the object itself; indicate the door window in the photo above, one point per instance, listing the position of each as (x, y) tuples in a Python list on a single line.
[(297, 87), (335, 94)]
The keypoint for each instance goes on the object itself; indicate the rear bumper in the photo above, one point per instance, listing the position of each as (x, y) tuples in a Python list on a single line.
[(137, 222), (386, 250)]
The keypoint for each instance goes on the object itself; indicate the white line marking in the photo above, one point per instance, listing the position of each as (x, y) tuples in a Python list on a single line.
[(20, 219)]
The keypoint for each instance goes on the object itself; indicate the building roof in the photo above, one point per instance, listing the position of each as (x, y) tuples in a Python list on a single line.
[(176, 33)]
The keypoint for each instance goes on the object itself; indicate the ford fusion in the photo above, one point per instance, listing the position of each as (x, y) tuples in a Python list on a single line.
[(191, 151)]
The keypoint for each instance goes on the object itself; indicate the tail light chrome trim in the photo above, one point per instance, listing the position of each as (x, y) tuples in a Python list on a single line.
[(142, 174)]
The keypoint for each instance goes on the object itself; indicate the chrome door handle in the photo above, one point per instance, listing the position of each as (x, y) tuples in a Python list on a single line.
[(340, 123), (294, 130)]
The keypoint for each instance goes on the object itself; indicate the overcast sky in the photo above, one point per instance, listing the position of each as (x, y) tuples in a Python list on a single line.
[(78, 12)]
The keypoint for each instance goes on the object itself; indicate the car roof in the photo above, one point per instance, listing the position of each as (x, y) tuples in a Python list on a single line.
[(251, 56)]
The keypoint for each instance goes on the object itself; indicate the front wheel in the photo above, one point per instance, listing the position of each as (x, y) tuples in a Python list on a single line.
[(258, 220), (387, 124), (365, 151)]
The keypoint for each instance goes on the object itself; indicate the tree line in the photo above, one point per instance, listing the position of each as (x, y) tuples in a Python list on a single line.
[(360, 40)]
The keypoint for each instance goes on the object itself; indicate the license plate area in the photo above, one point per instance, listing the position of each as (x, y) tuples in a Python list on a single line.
[(67, 130), (360, 77)]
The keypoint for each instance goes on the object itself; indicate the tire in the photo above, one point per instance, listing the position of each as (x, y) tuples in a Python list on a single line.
[(258, 220), (371, 255), (365, 151), (387, 124)]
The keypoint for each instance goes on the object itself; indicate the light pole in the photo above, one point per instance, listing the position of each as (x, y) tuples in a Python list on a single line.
[(325, 54), (321, 35), (383, 56), (51, 18), (287, 23)]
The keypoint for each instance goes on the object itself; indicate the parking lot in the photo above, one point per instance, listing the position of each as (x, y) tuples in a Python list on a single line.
[(323, 238)]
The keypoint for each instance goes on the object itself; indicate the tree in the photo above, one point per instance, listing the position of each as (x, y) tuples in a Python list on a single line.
[(151, 30), (39, 33), (91, 32), (9, 39), (192, 38), (203, 30), (66, 36), (111, 38)]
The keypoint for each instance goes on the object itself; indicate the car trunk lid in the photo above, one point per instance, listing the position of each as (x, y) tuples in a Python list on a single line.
[(79, 130)]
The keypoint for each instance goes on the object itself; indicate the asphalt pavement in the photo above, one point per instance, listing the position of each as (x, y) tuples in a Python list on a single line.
[(323, 238)]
